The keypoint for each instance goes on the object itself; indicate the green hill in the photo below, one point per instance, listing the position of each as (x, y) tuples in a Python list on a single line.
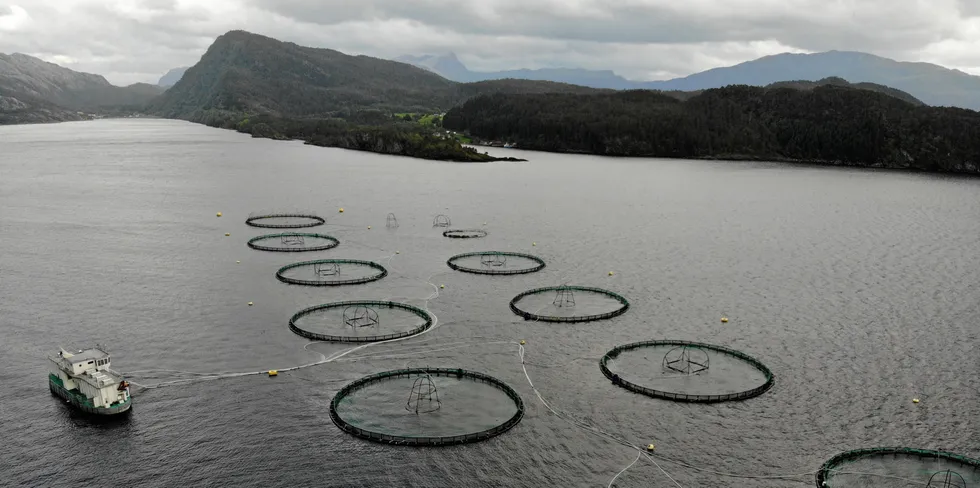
[(826, 124), (244, 73), (274, 89), (836, 81)]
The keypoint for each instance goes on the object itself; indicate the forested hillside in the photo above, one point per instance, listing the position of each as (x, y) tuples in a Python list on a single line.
[(827, 124)]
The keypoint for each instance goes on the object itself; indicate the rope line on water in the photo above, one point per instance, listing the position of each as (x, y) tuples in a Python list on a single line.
[(613, 480), (586, 426), (324, 359)]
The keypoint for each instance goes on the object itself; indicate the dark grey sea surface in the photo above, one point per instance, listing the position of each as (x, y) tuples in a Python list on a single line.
[(859, 289)]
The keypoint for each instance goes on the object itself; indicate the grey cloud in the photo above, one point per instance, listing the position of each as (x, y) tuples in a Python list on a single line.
[(969, 8), (808, 24), (139, 40), (168, 5), (126, 48)]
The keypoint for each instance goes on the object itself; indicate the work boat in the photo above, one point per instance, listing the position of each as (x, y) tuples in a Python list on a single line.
[(83, 379)]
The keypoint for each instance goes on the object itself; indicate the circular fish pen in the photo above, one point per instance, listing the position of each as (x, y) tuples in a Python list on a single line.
[(293, 242), (426, 407), (689, 371), (465, 233), (331, 272), (359, 321), (496, 263), (899, 466), (285, 220), (568, 304)]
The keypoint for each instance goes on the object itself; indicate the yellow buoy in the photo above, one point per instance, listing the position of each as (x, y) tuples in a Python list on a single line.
[(442, 286), (522, 342), (238, 262), (227, 234), (915, 400), (369, 227), (534, 243), (249, 304), (219, 214), (398, 252), (341, 210), (273, 372), (724, 320), (650, 447), (610, 273)]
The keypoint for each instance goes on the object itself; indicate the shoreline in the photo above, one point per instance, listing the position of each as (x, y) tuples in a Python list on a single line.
[(967, 171), (377, 139), (81, 119)]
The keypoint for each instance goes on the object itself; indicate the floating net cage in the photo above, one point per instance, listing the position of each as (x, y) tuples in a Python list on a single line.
[(899, 466), (331, 268), (493, 260), (284, 220), (686, 360), (293, 242), (391, 221), (424, 397), (382, 320), (446, 406), (327, 272), (465, 233), (564, 297), (684, 374), (946, 479), (441, 221), (360, 315), (569, 304), (496, 263)]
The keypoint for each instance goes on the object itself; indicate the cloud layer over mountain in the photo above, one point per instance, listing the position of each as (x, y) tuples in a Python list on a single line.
[(138, 40)]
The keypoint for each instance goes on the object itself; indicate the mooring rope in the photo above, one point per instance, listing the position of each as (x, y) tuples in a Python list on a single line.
[(585, 426), (613, 480), (324, 359)]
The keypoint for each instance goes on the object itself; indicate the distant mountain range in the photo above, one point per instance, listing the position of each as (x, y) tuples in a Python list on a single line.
[(269, 88), (33, 90), (172, 77), (450, 67), (930, 83)]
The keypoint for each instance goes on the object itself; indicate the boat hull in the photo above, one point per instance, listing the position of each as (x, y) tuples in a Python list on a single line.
[(79, 403)]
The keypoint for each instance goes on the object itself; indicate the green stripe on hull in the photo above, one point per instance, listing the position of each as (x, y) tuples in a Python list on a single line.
[(83, 403)]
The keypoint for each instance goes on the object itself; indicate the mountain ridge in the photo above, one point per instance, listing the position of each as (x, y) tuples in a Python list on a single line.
[(35, 90), (273, 89), (930, 83), (242, 72), (449, 66)]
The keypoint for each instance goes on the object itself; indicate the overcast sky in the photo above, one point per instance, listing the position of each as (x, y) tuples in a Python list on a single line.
[(139, 40)]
